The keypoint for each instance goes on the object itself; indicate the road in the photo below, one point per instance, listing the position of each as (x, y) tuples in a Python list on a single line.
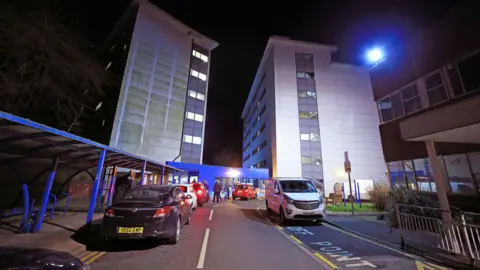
[(238, 238), (239, 235)]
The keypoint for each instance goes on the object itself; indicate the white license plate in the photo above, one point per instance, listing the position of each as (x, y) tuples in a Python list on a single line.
[(309, 213)]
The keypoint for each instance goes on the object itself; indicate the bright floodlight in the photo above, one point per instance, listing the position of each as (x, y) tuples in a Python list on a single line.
[(233, 173), (375, 55)]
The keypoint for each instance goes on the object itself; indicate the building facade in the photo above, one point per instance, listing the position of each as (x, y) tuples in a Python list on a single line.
[(160, 113), (428, 99), (304, 111)]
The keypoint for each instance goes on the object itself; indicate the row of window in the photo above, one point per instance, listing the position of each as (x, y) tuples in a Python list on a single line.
[(259, 147), (196, 95), (259, 116), (306, 75), (200, 56), (312, 160), (192, 139), (261, 164), (194, 116), (262, 128), (314, 137), (246, 158), (249, 110), (307, 94), (407, 100), (309, 115), (199, 75)]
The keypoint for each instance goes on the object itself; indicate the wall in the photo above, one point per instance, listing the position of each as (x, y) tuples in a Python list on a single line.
[(288, 162), (151, 108), (348, 122)]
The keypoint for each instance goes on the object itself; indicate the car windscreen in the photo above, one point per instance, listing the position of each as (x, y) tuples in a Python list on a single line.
[(241, 186), (183, 188), (144, 194), (297, 186)]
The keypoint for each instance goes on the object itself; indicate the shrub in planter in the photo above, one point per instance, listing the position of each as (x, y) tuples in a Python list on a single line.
[(378, 194)]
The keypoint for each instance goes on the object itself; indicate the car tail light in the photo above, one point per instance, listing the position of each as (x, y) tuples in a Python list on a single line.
[(162, 212), (109, 213), (200, 192)]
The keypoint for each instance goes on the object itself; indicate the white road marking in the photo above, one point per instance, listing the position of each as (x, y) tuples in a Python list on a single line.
[(211, 214), (203, 251)]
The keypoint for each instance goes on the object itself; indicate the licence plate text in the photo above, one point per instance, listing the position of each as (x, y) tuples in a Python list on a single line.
[(308, 213), (130, 230)]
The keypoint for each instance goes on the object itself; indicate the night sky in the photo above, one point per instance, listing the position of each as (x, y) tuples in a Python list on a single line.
[(243, 29)]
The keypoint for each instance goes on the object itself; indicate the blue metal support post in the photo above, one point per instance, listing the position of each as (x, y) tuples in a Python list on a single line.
[(96, 185), (355, 187), (161, 176), (142, 174), (26, 207), (111, 189), (188, 177), (359, 199), (174, 173), (45, 197)]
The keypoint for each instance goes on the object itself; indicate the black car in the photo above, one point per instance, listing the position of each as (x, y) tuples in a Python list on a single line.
[(156, 211)]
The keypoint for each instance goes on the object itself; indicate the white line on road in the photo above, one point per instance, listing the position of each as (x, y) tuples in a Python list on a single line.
[(203, 251), (211, 214)]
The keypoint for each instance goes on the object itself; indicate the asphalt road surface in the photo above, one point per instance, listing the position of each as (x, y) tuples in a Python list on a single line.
[(229, 235)]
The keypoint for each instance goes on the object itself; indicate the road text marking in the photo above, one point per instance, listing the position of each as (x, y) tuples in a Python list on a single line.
[(342, 255), (211, 214), (203, 251), (325, 260)]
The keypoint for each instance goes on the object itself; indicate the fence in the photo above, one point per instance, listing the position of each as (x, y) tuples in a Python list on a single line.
[(424, 228)]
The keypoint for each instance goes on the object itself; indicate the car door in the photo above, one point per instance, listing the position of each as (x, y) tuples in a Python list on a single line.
[(179, 197)]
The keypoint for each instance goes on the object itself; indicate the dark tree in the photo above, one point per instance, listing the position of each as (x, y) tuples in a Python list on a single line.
[(47, 73)]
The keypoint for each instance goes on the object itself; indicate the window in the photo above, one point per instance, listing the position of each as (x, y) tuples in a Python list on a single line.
[(469, 70), (411, 99), (306, 160), (309, 115), (200, 56), (197, 140), (306, 75), (312, 160), (391, 107), (196, 95), (435, 88), (307, 94), (199, 75), (194, 116), (304, 137), (192, 139)]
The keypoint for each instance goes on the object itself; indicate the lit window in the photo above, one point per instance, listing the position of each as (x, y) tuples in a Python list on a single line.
[(317, 160), (200, 56), (314, 137), (200, 96), (306, 160), (187, 138), (197, 140), (192, 93), (190, 115), (304, 137), (311, 94), (109, 64), (194, 73), (199, 117), (302, 94), (309, 115), (202, 76)]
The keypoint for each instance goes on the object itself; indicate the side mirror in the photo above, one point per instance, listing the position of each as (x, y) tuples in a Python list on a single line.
[(188, 196), (276, 191)]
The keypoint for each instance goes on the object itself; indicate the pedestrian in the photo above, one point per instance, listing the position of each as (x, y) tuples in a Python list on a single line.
[(122, 185), (227, 193), (217, 188)]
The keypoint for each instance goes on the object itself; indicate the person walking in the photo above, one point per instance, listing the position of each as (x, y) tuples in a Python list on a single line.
[(217, 188), (122, 185)]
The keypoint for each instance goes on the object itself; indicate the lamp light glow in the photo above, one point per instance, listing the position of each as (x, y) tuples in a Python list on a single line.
[(233, 173), (375, 55)]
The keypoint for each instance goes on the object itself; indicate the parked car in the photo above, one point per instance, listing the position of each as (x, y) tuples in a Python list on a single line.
[(244, 191), (188, 190), (155, 211), (294, 199), (202, 194)]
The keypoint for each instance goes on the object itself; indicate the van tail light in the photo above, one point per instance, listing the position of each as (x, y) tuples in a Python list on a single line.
[(200, 192), (162, 212), (109, 213)]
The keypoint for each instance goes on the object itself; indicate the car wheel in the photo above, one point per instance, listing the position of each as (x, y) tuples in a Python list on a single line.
[(283, 220), (174, 239)]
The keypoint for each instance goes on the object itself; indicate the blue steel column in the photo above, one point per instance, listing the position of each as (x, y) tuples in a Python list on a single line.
[(161, 176), (26, 207), (45, 197), (142, 177), (96, 185), (174, 173)]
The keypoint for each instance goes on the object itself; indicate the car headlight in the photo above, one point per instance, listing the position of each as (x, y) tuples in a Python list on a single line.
[(288, 199), (320, 199)]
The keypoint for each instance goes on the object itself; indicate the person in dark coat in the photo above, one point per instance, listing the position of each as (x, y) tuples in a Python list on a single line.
[(122, 185), (217, 188)]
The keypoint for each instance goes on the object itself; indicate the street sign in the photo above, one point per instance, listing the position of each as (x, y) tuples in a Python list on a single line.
[(346, 164)]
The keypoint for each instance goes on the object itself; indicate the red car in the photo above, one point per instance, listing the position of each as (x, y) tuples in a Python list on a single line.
[(202, 194), (244, 191)]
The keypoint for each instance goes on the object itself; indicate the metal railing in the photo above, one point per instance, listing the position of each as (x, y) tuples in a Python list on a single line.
[(427, 228)]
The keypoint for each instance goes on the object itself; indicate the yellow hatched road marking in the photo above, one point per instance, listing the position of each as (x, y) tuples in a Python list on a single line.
[(95, 257)]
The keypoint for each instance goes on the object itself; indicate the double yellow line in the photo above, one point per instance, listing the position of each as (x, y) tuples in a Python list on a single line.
[(90, 257)]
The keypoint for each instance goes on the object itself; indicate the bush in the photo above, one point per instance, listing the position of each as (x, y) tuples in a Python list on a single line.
[(378, 194)]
